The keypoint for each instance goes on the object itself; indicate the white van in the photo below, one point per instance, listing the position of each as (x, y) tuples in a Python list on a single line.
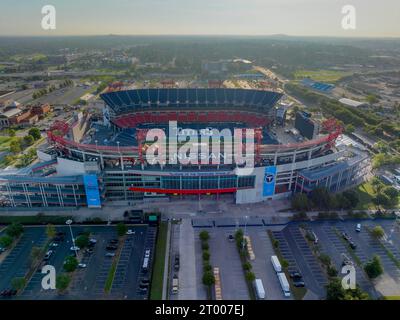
[(175, 285), (276, 264), (358, 227)]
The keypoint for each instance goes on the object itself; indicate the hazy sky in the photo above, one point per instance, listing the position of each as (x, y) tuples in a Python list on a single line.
[(241, 17)]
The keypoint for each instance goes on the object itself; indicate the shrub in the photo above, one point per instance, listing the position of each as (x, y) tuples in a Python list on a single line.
[(374, 267), (204, 235), (204, 246), (207, 267), (247, 266), (250, 276), (208, 278), (70, 264), (206, 255)]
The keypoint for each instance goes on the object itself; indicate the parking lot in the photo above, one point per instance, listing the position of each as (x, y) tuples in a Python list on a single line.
[(297, 251), (87, 282)]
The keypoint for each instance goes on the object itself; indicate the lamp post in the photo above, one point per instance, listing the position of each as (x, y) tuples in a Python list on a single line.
[(245, 227), (69, 222)]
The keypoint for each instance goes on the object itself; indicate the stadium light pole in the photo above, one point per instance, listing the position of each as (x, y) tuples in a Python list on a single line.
[(69, 222)]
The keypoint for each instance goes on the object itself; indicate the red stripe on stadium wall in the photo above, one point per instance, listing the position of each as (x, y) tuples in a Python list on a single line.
[(186, 191)]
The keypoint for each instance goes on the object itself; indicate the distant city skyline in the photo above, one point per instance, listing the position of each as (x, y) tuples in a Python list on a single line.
[(206, 17)]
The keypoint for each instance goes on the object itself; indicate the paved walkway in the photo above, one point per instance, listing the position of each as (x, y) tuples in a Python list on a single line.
[(187, 273)]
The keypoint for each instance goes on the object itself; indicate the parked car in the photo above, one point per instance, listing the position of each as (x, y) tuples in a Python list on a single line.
[(54, 244), (358, 227), (129, 232), (176, 262), (231, 238), (2, 249), (48, 255), (352, 245), (74, 248), (113, 241), (147, 253), (346, 236), (82, 265), (295, 274), (111, 247), (298, 283), (110, 254)]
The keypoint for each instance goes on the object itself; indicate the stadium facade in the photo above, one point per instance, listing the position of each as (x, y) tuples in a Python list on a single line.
[(108, 161)]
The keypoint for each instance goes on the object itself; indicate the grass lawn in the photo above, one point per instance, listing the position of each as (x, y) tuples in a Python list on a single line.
[(366, 193), (320, 75), (158, 270), (5, 142), (110, 277)]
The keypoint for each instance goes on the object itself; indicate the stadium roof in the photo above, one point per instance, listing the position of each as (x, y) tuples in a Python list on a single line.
[(125, 100), (321, 173)]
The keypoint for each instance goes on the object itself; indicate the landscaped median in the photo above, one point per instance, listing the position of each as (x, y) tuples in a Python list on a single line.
[(121, 231), (159, 263), (208, 275), (241, 244)]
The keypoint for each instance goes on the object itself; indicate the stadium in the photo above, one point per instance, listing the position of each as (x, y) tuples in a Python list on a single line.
[(88, 163)]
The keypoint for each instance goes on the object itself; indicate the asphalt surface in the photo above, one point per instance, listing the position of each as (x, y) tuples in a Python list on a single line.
[(89, 282), (225, 256)]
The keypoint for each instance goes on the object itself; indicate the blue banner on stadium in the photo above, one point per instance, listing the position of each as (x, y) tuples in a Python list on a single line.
[(269, 181), (92, 191)]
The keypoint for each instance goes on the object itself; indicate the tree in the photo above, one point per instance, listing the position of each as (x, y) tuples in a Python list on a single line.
[(28, 140), (204, 236), (207, 267), (392, 193), (121, 229), (35, 253), (62, 281), (208, 278), (349, 128), (300, 202), (6, 241), (284, 263), (250, 276), (378, 232), (352, 197), (206, 255), (331, 271), (14, 230), (247, 266), (381, 199), (374, 267), (11, 132), (204, 246), (321, 198), (35, 133), (82, 241), (18, 283), (51, 231), (325, 259), (15, 146), (334, 290), (70, 264)]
